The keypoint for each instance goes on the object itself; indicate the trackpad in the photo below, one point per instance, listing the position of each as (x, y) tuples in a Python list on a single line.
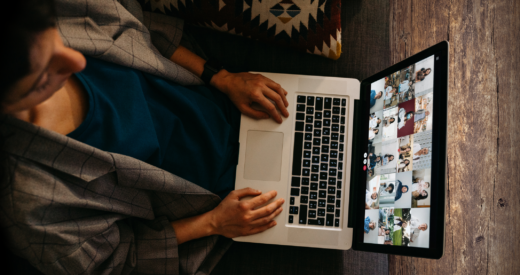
[(263, 156)]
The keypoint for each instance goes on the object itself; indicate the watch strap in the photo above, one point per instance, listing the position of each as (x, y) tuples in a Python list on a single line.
[(211, 68)]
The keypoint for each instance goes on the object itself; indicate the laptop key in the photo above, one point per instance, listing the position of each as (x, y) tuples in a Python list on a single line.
[(322, 203), (319, 103), (342, 129), (332, 181), (343, 111), (315, 159), (314, 195), (341, 138), (330, 199), (324, 158), (303, 214), (334, 136), (321, 221), (312, 214), (308, 127), (314, 186), (326, 131), (338, 185), (316, 142), (332, 172), (295, 182), (305, 172), (334, 145), (292, 201), (315, 168), (310, 100), (323, 175), (333, 163), (323, 194), (326, 123), (300, 116), (336, 223), (317, 132), (304, 199), (325, 140), (323, 185), (337, 213), (340, 157), (300, 99), (324, 167), (338, 194), (317, 124), (305, 190), (312, 204), (309, 119), (312, 222), (310, 110), (299, 126), (321, 212), (325, 149), (305, 181), (318, 115), (340, 174), (341, 147), (335, 127), (300, 108), (297, 154), (333, 154), (306, 163), (342, 120), (338, 202), (336, 110), (336, 102), (330, 208), (340, 166), (314, 177), (308, 136), (306, 154), (290, 219), (295, 191), (293, 209), (343, 102), (316, 150), (327, 114), (331, 190), (328, 103), (330, 220)]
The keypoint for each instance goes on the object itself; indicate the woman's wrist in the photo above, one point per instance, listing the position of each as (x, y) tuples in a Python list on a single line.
[(220, 79)]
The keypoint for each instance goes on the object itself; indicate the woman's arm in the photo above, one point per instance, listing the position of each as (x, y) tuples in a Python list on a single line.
[(243, 89), (232, 217)]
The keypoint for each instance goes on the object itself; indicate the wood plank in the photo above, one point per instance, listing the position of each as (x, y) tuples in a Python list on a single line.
[(483, 134)]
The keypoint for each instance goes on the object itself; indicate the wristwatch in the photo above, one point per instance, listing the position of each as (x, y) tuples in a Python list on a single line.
[(211, 68)]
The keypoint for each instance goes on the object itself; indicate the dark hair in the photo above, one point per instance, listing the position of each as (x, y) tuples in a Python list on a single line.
[(391, 185), (421, 197), (406, 241), (392, 121), (388, 155), (22, 20)]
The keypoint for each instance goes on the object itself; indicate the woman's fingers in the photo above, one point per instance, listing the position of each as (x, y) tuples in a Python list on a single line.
[(278, 89), (259, 200), (269, 107), (268, 209), (278, 100), (250, 112), (268, 218), (245, 192)]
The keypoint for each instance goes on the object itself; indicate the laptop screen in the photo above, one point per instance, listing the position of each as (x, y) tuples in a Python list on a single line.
[(399, 183)]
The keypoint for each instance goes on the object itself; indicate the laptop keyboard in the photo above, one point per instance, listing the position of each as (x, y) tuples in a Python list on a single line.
[(317, 172)]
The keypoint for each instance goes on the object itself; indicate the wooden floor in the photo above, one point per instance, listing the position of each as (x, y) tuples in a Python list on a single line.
[(483, 210)]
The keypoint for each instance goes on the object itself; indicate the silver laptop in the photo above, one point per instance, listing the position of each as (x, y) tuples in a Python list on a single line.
[(305, 159)]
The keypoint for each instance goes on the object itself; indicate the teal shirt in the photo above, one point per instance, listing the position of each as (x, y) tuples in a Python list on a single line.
[(191, 132)]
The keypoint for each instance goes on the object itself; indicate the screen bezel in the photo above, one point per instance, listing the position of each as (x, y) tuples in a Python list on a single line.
[(439, 140)]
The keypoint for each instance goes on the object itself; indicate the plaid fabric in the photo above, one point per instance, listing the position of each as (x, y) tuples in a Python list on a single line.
[(69, 208), (120, 32)]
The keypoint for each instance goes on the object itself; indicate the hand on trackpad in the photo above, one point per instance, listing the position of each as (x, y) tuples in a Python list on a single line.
[(263, 156)]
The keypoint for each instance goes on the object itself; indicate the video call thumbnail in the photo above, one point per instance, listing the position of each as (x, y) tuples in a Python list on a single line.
[(397, 196)]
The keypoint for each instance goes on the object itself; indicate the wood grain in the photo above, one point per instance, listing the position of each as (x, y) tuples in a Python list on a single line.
[(483, 217)]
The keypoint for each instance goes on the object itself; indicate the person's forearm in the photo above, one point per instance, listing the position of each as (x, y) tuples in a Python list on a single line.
[(193, 228)]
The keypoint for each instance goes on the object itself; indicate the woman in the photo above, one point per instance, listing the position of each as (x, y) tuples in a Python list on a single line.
[(372, 133), (387, 158), (403, 117), (403, 165), (374, 122), (74, 110), (419, 195), (374, 160), (387, 190), (401, 189), (368, 225), (421, 74)]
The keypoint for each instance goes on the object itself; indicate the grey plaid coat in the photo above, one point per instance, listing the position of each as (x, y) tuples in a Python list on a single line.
[(69, 208)]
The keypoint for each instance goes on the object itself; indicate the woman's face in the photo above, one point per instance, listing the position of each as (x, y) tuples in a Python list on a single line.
[(404, 189), (427, 72), (51, 65)]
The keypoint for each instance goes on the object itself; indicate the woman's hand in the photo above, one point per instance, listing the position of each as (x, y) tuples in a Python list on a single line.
[(234, 218), (246, 89)]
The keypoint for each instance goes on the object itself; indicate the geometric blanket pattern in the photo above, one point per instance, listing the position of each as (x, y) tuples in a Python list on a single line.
[(312, 26)]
